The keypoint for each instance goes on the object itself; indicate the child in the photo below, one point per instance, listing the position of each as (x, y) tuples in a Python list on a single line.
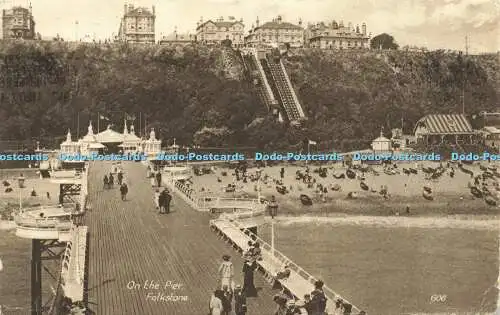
[(156, 198)]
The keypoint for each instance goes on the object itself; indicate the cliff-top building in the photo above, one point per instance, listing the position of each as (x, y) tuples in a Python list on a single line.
[(18, 22), (214, 32), (337, 36), (177, 38), (275, 32), (137, 25)]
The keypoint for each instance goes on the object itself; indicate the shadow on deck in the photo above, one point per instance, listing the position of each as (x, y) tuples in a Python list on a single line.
[(131, 244)]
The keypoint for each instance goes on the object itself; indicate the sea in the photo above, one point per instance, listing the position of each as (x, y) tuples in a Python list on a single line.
[(398, 270), (383, 270)]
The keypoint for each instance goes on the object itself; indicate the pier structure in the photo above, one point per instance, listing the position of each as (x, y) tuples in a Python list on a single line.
[(55, 236), (239, 226)]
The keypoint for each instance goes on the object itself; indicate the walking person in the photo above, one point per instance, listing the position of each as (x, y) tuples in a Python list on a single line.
[(156, 199), (226, 271), (240, 301), (248, 276), (215, 305), (106, 182), (167, 200), (227, 300), (111, 180), (158, 179), (318, 299), (124, 191), (161, 202), (120, 177)]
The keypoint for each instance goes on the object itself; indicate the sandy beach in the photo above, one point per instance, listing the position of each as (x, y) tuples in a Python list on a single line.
[(47, 193), (451, 195)]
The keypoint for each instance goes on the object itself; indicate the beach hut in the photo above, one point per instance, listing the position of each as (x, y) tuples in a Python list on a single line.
[(382, 144)]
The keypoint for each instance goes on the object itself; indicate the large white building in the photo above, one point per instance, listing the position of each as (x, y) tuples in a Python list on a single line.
[(337, 36), (276, 32), (137, 25), (215, 32), (111, 141)]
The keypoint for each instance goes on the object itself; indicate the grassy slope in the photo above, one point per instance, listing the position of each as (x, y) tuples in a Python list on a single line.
[(347, 96)]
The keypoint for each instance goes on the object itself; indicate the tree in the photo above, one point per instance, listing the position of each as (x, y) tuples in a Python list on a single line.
[(383, 41)]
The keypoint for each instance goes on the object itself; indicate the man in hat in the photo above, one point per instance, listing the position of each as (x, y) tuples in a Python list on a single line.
[(240, 301), (165, 201), (124, 190)]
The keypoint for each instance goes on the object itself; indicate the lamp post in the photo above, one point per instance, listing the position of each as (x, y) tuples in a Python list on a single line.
[(20, 182), (273, 211)]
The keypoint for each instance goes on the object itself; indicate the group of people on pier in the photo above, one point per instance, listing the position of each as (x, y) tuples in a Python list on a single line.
[(222, 298), (109, 182)]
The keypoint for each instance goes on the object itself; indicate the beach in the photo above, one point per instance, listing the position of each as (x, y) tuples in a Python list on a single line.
[(451, 195)]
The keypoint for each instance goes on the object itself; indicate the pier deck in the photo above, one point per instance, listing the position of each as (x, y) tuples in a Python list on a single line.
[(130, 242)]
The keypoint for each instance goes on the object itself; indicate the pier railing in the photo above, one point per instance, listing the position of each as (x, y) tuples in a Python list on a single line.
[(274, 261), (73, 264), (207, 202)]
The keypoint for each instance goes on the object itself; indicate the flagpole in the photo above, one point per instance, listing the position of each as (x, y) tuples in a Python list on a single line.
[(98, 122)]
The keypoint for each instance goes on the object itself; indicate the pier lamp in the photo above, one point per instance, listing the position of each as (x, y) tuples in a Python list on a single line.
[(20, 182), (273, 211)]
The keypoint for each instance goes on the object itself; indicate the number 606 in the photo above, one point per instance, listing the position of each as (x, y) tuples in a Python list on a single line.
[(438, 298)]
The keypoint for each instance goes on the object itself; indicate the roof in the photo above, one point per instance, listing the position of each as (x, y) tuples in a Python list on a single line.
[(220, 24), (445, 124), (280, 25), (130, 137), (491, 129), (381, 139), (109, 136), (178, 37), (140, 12), (96, 145)]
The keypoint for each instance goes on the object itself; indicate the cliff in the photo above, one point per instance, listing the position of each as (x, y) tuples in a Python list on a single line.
[(48, 87)]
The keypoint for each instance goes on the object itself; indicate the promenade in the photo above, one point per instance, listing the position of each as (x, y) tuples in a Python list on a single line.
[(130, 243)]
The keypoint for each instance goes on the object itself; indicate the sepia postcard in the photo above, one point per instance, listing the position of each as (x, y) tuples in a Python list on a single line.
[(237, 157)]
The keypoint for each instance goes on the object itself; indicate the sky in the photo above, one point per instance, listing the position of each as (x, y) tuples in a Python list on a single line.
[(435, 24)]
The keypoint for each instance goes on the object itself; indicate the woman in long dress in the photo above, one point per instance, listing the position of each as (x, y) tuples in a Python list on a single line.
[(156, 198), (216, 303)]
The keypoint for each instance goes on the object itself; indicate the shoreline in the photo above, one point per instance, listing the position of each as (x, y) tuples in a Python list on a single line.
[(454, 222)]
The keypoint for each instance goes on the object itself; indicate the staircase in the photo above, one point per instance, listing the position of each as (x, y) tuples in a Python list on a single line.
[(276, 70)]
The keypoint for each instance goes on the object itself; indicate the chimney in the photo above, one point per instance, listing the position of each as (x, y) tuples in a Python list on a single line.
[(300, 22), (363, 28), (349, 25), (357, 29), (279, 19), (125, 9), (257, 22), (153, 10)]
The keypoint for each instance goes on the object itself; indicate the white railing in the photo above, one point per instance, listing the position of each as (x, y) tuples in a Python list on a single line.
[(73, 263), (290, 86), (42, 223), (278, 260), (263, 75)]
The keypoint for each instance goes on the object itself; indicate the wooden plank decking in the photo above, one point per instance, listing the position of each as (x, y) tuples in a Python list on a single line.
[(129, 241)]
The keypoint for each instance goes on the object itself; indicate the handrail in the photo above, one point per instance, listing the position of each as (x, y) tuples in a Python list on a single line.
[(288, 110), (263, 75), (290, 86), (332, 295)]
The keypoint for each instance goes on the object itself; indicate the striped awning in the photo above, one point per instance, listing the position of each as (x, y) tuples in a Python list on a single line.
[(446, 124)]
